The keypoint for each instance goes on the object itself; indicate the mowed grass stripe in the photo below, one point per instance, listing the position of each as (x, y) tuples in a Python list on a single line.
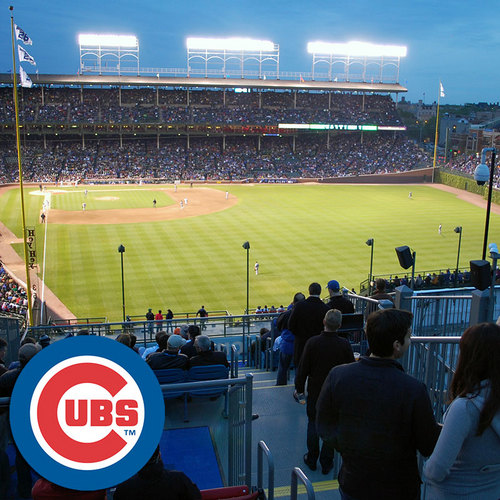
[(298, 233)]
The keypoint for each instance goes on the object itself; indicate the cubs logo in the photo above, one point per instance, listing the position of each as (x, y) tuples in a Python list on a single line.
[(87, 413)]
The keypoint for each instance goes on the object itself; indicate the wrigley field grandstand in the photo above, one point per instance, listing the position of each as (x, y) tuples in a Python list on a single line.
[(159, 204)]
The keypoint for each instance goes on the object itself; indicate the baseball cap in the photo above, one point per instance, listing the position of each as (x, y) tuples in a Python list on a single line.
[(175, 341), (333, 285)]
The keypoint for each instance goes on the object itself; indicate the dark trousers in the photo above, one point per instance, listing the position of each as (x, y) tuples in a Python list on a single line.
[(284, 363), (24, 480), (313, 451)]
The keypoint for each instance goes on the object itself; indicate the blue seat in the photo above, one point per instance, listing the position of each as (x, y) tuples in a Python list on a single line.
[(173, 376), (210, 372)]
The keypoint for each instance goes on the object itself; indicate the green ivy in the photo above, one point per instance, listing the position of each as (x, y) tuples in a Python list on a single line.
[(465, 183)]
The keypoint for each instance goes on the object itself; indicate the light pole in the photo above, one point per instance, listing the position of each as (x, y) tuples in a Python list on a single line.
[(458, 230), (246, 246), (121, 250), (481, 176), (370, 243)]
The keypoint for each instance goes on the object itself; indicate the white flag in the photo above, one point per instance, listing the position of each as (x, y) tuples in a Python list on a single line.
[(441, 90), (21, 35), (24, 56), (25, 79)]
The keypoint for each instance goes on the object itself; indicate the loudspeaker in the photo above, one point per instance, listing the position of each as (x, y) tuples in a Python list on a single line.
[(404, 256), (480, 274)]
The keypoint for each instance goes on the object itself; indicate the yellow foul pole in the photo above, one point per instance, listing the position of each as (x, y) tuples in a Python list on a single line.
[(18, 141), (436, 135)]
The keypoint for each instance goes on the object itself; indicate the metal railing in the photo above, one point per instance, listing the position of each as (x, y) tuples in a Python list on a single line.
[(442, 276), (185, 315), (297, 475), (221, 327), (239, 463), (440, 314), (433, 361), (262, 450), (239, 466)]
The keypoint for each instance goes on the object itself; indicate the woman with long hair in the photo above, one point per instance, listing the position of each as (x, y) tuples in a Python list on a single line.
[(465, 463)]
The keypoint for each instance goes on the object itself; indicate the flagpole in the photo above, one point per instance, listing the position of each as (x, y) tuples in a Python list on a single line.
[(436, 135), (18, 142)]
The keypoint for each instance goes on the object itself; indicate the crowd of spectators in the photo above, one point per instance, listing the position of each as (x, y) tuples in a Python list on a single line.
[(13, 297), (129, 106), (466, 164), (253, 158), (208, 158)]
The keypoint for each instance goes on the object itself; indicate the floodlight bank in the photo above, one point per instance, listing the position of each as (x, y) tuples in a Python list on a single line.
[(108, 40), (230, 44), (356, 49)]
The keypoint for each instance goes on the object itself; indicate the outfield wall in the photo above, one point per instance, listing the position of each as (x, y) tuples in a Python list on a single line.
[(466, 183), (410, 177)]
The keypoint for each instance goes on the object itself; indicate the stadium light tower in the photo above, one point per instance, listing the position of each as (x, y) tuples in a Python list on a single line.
[(361, 53), (230, 51), (481, 177), (103, 49)]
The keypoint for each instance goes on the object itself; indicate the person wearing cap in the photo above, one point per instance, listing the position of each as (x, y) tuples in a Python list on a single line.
[(7, 382), (337, 300), (169, 357), (306, 320)]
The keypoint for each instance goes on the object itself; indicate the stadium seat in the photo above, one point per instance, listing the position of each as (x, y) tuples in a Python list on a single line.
[(173, 376), (210, 372)]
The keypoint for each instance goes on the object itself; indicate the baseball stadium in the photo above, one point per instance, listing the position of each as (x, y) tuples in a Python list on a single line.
[(217, 195)]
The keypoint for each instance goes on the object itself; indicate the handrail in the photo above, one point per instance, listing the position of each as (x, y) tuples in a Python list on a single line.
[(435, 340), (262, 449), (234, 361), (296, 475), (437, 297)]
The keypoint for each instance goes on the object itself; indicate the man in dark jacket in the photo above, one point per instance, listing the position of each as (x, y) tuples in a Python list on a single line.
[(205, 355), (377, 416), (320, 355), (337, 300), (306, 320), (169, 358)]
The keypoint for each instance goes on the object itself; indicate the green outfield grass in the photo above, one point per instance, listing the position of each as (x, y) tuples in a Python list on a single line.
[(298, 233)]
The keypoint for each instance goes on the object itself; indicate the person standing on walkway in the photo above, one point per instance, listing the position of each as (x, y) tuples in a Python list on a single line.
[(321, 353)]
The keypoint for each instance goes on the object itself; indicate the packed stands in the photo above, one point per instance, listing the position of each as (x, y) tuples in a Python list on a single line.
[(119, 133)]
